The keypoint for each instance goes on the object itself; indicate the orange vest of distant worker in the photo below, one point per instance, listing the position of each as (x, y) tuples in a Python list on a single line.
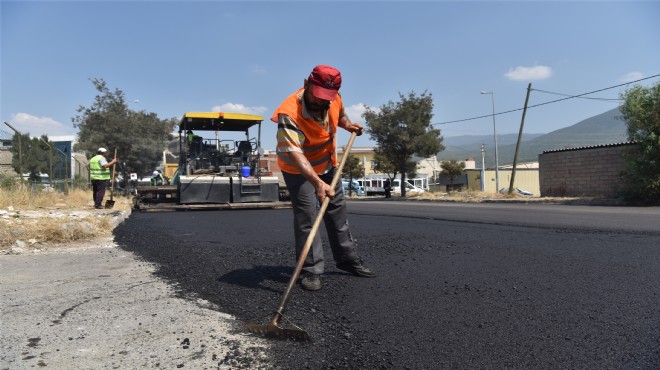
[(319, 146)]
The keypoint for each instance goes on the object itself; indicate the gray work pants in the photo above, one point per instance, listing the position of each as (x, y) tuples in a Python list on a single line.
[(98, 191), (304, 201)]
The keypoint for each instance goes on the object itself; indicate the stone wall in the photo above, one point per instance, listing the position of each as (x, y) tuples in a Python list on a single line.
[(592, 172)]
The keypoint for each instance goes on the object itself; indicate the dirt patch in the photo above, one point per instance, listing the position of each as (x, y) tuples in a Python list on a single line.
[(35, 229), (92, 305)]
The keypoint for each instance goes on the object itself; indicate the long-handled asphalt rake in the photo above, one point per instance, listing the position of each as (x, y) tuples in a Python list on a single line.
[(273, 328), (111, 202)]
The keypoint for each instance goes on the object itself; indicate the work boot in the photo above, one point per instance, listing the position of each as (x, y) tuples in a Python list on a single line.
[(356, 268), (311, 281)]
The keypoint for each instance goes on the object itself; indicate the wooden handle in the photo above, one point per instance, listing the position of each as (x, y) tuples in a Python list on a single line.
[(112, 184), (310, 238)]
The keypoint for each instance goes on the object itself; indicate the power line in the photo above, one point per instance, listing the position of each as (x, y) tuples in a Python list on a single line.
[(546, 103), (581, 97)]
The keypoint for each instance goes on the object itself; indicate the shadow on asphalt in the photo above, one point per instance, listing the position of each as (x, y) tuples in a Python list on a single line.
[(259, 277)]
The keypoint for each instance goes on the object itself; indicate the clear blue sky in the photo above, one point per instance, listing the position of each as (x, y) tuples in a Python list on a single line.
[(171, 57)]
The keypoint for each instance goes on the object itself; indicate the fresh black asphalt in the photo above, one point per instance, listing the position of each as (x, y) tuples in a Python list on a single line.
[(449, 294)]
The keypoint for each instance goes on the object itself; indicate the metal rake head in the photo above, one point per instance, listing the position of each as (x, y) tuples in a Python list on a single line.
[(273, 331)]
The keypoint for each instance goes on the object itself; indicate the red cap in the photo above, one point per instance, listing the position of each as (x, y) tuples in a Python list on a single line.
[(325, 81)]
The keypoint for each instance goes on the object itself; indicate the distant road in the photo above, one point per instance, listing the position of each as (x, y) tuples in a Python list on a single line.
[(538, 215)]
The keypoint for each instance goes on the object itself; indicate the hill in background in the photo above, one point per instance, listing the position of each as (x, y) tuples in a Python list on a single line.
[(605, 128)]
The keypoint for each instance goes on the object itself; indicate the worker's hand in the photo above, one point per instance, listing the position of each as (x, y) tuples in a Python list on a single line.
[(324, 190), (355, 127)]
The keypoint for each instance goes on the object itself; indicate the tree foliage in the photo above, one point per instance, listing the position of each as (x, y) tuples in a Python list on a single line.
[(401, 130), (641, 111), (35, 157), (140, 137), (384, 165), (452, 169), (352, 169)]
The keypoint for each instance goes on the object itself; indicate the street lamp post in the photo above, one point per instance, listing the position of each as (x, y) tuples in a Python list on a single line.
[(497, 164), (483, 167)]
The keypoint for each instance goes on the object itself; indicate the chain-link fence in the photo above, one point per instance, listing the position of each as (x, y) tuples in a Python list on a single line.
[(66, 170)]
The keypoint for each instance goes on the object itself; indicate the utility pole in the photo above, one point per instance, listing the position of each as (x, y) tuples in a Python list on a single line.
[(20, 152), (483, 167), (497, 163), (522, 124)]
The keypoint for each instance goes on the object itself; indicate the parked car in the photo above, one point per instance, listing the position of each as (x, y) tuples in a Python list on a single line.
[(410, 188), (516, 191)]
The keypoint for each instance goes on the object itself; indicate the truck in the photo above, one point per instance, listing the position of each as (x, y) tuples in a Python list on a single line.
[(355, 187), (218, 167)]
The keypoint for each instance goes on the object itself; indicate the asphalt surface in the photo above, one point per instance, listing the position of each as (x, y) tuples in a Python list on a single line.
[(556, 287)]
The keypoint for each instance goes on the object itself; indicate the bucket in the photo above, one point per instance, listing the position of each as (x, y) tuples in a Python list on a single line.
[(245, 171)]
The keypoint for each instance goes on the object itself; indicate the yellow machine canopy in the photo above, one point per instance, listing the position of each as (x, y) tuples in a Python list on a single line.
[(218, 121)]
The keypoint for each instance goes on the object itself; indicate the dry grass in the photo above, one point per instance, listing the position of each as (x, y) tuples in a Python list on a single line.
[(464, 196), (27, 199), (50, 217), (456, 196), (478, 197)]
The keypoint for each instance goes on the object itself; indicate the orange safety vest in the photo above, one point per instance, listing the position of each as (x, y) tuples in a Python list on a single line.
[(319, 145)]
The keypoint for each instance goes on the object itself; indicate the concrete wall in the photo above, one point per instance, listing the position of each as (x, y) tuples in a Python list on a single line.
[(591, 172), (5, 163), (526, 179), (364, 154)]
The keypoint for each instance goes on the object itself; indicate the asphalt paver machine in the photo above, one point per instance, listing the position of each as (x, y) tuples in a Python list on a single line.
[(218, 167)]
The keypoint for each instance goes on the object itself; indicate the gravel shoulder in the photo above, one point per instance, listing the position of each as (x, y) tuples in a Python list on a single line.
[(94, 306)]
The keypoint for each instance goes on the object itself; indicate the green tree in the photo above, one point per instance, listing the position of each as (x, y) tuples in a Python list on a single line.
[(384, 165), (641, 111), (452, 169), (403, 129), (352, 169), (36, 155), (140, 137)]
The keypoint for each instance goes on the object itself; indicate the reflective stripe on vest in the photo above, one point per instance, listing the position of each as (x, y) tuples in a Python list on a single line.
[(319, 145), (96, 171)]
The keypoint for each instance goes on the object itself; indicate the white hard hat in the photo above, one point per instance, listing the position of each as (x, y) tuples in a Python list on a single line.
[(102, 150), (155, 173)]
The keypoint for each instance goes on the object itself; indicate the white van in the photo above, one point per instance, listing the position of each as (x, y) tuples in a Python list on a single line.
[(375, 186)]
